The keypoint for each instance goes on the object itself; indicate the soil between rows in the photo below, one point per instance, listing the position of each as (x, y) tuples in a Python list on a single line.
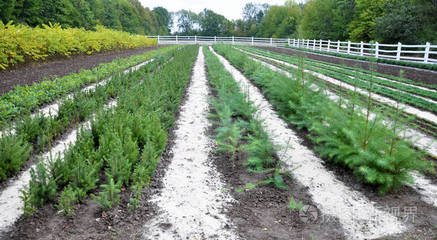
[(26, 74), (415, 74)]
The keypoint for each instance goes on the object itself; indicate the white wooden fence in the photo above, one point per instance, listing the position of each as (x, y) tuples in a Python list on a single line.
[(415, 53)]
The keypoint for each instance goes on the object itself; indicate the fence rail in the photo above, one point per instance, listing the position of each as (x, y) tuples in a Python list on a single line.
[(414, 53)]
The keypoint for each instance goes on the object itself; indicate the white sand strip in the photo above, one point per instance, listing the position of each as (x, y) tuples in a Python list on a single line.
[(54, 107), (360, 217), (406, 108), (10, 203), (427, 190), (191, 202), (419, 139)]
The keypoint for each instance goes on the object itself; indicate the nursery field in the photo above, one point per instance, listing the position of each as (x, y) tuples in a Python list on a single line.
[(219, 142)]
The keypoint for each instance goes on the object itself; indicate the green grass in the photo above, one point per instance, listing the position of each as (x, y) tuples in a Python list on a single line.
[(367, 58)]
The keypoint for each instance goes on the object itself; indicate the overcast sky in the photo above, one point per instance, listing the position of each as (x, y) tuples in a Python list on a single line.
[(231, 9)]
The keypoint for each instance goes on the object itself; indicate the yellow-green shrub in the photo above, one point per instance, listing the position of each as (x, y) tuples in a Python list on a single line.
[(19, 43)]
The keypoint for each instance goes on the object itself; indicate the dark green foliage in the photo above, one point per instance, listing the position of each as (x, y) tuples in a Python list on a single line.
[(260, 149), (214, 24), (42, 186), (67, 200), (14, 151), (126, 15), (109, 196)]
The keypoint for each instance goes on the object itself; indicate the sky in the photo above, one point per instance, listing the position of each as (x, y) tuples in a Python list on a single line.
[(231, 9)]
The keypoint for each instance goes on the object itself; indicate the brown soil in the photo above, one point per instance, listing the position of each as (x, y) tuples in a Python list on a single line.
[(263, 212), (30, 73), (415, 74)]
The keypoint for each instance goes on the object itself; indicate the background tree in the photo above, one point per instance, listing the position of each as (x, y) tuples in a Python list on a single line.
[(362, 28), (213, 24), (405, 21), (253, 14), (165, 20), (281, 21), (327, 19), (188, 22)]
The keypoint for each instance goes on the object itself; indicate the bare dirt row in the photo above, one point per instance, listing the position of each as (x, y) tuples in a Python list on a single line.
[(59, 67)]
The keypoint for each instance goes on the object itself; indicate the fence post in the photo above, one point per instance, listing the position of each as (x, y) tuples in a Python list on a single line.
[(158, 39), (329, 45), (308, 43), (252, 41), (177, 41), (320, 45), (294, 42), (362, 49), (376, 50), (298, 42), (288, 42), (271, 41), (426, 56), (233, 40), (215, 39), (338, 46), (398, 52), (314, 44), (348, 47), (195, 39)]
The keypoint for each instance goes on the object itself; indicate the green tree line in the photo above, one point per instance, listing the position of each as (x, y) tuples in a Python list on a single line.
[(385, 21), (125, 15)]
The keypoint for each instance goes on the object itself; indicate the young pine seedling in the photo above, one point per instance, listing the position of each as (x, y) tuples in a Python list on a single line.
[(295, 205)]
